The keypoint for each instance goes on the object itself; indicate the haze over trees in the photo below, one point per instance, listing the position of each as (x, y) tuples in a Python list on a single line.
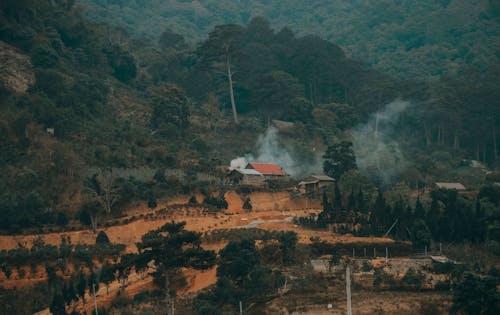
[(407, 39), (108, 104)]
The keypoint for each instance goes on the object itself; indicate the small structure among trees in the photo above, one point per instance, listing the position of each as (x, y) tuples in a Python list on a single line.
[(450, 186), (315, 183), (245, 177), (256, 174), (269, 170)]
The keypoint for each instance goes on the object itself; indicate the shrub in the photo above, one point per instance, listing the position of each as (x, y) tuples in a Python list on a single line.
[(367, 266), (247, 205), (102, 238), (413, 278), (61, 219), (193, 200)]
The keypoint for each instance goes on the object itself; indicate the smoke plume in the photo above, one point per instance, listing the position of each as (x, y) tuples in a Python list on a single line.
[(268, 149), (378, 154)]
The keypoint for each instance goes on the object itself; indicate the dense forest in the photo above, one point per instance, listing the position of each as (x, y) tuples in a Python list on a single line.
[(104, 99), (109, 105), (405, 38)]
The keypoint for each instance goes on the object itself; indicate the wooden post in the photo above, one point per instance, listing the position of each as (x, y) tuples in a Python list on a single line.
[(348, 290), (95, 301)]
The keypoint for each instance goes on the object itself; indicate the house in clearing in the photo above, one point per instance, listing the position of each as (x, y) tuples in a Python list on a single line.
[(493, 178), (268, 170), (315, 183), (255, 174), (240, 176), (450, 186)]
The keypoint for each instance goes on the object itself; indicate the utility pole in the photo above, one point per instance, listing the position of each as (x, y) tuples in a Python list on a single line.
[(348, 290), (95, 301), (241, 309)]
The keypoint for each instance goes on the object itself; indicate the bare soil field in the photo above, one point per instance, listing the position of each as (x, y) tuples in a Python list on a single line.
[(270, 211)]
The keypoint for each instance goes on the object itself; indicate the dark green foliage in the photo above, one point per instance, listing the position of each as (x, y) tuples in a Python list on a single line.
[(338, 159), (57, 307), (107, 275), (24, 211), (170, 247), (170, 111), (218, 202), (476, 295), (192, 200), (152, 201), (351, 201), (383, 279), (93, 282), (61, 219), (81, 285), (419, 210), (413, 278), (122, 62), (240, 278), (170, 39), (84, 217), (337, 199), (237, 259), (288, 242), (247, 205), (159, 176), (102, 238)]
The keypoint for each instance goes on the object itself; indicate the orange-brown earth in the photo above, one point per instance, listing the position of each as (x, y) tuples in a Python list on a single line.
[(271, 211)]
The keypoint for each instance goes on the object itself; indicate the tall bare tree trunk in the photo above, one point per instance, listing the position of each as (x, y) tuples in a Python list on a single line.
[(442, 135), (311, 92), (456, 142), (231, 93), (375, 134), (494, 141), (93, 222), (428, 136)]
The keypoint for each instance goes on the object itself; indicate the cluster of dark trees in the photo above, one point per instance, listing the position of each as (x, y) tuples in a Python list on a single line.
[(425, 38), (476, 294), (243, 277), (40, 253), (73, 290), (254, 72), (61, 290), (449, 217)]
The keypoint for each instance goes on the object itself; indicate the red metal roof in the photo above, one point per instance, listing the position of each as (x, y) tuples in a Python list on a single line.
[(266, 168)]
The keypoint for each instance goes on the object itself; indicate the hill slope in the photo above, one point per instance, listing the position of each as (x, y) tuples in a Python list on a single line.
[(404, 38)]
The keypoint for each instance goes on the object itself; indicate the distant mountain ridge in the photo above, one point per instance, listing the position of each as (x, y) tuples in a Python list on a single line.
[(404, 38)]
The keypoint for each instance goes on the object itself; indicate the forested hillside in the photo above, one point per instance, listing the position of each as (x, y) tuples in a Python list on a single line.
[(78, 96), (376, 125), (404, 38)]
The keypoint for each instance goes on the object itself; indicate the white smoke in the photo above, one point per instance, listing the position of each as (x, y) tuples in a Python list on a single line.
[(268, 149), (378, 154), (238, 163)]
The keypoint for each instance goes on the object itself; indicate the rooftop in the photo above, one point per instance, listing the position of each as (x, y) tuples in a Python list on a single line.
[(456, 186), (266, 168), (246, 171)]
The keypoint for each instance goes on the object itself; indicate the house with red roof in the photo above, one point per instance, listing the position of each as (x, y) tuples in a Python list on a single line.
[(269, 170)]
